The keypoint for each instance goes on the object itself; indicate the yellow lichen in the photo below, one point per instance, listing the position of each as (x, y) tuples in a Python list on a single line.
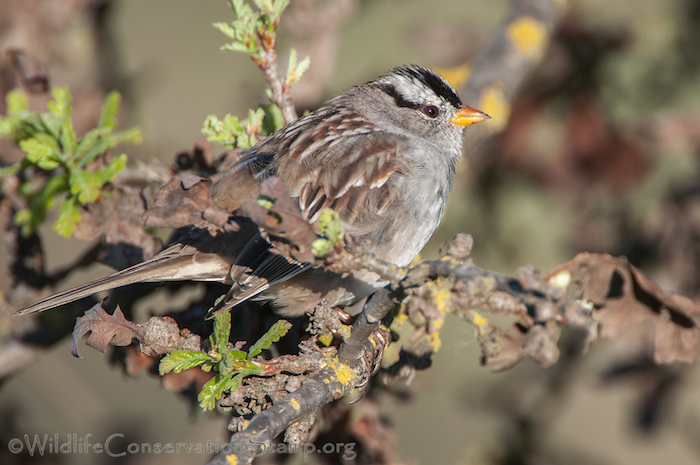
[(434, 340), (295, 404), (232, 459), (480, 322), (441, 294), (343, 373), (457, 76), (529, 37), (494, 103)]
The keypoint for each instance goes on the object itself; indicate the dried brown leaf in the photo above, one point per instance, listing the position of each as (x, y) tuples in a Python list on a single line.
[(118, 218), (104, 329), (510, 349), (623, 296), (539, 342), (182, 202)]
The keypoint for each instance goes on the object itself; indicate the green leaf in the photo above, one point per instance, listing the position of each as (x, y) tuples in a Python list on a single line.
[(296, 71), (225, 132), (108, 115), (272, 335), (68, 140), (110, 141), (233, 363), (115, 167), (239, 354), (41, 151), (273, 119), (16, 101), (266, 202), (56, 185), (59, 107), (226, 29), (241, 9), (321, 247), (279, 6), (179, 360), (234, 47), (234, 383), (23, 217), (212, 391), (8, 170), (207, 397), (88, 141), (85, 185), (330, 225), (301, 70), (207, 366), (222, 330), (68, 217)]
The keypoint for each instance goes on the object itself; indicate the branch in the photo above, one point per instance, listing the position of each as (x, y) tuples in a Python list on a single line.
[(281, 95), (501, 66)]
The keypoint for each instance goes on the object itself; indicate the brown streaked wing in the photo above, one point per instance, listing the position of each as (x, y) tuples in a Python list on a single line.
[(330, 177)]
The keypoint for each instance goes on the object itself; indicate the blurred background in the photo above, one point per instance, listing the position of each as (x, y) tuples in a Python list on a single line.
[(598, 152)]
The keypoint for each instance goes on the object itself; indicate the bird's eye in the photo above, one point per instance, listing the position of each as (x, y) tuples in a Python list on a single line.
[(432, 111)]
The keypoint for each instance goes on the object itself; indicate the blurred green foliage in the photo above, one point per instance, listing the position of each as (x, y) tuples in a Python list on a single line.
[(51, 145)]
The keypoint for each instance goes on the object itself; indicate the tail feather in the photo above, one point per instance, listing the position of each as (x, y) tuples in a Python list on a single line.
[(177, 263)]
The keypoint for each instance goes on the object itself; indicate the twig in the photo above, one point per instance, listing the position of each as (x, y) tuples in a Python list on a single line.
[(269, 64)]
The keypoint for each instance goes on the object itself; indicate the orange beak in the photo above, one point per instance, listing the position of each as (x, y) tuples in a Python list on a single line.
[(467, 115)]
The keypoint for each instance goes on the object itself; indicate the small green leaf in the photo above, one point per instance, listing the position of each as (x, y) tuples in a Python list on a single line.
[(330, 225), (108, 115), (8, 170), (110, 141), (234, 47), (41, 152), (68, 217), (85, 185), (179, 360), (68, 140), (234, 383), (239, 354), (212, 391), (207, 397), (273, 119), (59, 107), (266, 202), (222, 330), (23, 217), (16, 101), (296, 71), (274, 334), (115, 167), (231, 363), (279, 6), (226, 29), (321, 247)]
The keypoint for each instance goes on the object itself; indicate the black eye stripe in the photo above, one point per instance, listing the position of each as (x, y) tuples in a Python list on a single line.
[(391, 91)]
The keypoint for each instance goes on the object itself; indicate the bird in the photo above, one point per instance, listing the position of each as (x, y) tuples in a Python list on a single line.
[(382, 155)]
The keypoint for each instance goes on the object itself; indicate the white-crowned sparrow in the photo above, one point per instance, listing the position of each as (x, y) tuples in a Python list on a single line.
[(382, 155)]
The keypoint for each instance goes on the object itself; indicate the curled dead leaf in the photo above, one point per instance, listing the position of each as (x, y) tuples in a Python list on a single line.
[(623, 296), (104, 329), (182, 202)]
